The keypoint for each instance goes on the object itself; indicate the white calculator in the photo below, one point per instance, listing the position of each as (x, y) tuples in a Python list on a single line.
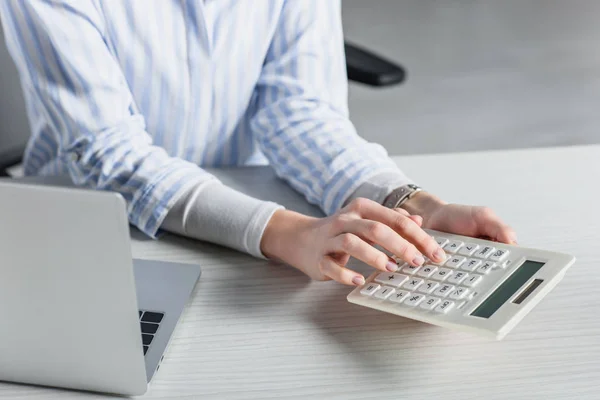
[(483, 287)]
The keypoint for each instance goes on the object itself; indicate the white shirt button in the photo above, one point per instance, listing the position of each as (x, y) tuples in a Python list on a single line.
[(369, 289), (384, 292), (453, 246), (468, 249), (391, 279), (429, 303)]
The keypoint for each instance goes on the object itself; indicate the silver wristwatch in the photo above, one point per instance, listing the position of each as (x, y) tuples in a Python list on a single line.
[(400, 195)]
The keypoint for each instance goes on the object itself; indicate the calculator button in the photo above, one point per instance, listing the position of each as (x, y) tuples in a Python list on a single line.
[(369, 289), (441, 241), (471, 264), (443, 290), (414, 299), (456, 294), (384, 293), (412, 283), (455, 261), (499, 255), (395, 280), (428, 287), (398, 296), (453, 246), (410, 269), (429, 303), (472, 280), (484, 252), (444, 306), (486, 267), (427, 271), (468, 249), (440, 262), (506, 263), (461, 304), (442, 274), (457, 277)]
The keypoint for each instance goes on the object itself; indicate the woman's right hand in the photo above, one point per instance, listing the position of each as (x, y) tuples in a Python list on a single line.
[(321, 247)]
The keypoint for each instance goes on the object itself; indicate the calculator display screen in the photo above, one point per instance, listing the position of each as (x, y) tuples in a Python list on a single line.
[(507, 289)]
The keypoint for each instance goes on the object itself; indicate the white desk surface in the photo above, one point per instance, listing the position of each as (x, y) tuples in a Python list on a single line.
[(254, 330)]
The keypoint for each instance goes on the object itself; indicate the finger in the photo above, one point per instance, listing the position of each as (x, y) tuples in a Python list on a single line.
[(356, 247), (494, 227), (341, 274), (417, 219), (405, 226), (402, 211), (383, 235)]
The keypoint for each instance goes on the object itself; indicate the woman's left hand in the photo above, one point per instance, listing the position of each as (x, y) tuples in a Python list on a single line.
[(464, 220)]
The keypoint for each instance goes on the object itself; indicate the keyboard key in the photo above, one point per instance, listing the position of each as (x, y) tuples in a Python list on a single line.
[(506, 263), (438, 263), (453, 246), (441, 241), (413, 284), (485, 251), (414, 299), (428, 287), (399, 296), (472, 280), (471, 264), (429, 303), (455, 261), (442, 274), (390, 279), (444, 306), (457, 277), (410, 269), (384, 292), (458, 293), (468, 249), (147, 339), (145, 349), (427, 271), (443, 290), (486, 267), (152, 317), (149, 328), (499, 255), (369, 289)]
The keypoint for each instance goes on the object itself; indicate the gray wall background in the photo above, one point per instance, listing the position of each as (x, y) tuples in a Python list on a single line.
[(481, 75)]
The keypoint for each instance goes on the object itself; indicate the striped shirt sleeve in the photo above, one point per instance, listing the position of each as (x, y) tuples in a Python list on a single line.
[(62, 53), (302, 122)]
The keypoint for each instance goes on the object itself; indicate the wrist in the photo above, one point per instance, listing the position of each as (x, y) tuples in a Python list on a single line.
[(423, 204), (281, 233)]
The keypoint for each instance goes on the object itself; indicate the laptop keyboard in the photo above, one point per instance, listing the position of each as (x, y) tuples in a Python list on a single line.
[(149, 321)]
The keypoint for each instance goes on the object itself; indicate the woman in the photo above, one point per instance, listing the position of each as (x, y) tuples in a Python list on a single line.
[(137, 97)]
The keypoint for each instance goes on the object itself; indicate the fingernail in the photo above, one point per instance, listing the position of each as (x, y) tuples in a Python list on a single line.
[(391, 266), (358, 280), (418, 260), (439, 255)]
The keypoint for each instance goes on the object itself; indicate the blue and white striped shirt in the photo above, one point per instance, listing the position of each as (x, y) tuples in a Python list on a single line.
[(136, 96)]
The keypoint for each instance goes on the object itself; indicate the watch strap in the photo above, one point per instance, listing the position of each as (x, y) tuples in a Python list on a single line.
[(400, 195)]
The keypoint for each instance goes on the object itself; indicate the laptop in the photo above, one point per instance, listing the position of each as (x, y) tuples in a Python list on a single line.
[(77, 311)]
